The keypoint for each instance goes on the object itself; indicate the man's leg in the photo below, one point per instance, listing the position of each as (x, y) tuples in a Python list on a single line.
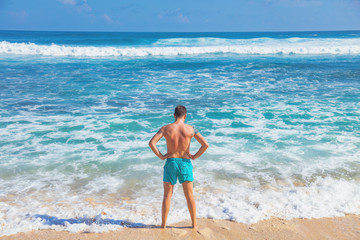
[(188, 192), (168, 191)]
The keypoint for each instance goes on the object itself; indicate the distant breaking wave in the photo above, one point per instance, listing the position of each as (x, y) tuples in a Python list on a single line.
[(195, 46)]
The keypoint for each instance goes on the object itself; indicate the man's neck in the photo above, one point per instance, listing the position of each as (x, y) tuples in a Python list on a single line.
[(179, 120)]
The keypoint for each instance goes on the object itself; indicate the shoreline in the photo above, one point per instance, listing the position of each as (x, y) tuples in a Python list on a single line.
[(346, 227)]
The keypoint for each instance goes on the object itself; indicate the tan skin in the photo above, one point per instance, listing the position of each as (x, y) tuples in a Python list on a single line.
[(178, 136)]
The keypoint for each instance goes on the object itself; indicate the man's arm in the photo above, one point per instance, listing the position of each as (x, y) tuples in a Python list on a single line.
[(154, 140), (202, 141)]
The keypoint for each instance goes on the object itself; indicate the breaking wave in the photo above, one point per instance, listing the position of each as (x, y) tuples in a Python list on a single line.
[(195, 46)]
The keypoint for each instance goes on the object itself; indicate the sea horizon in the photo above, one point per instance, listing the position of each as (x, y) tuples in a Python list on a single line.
[(274, 31)]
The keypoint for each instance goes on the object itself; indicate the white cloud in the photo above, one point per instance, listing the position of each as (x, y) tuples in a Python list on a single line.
[(107, 18), (174, 14), (80, 5), (21, 14), (183, 18), (83, 6), (68, 2), (295, 2)]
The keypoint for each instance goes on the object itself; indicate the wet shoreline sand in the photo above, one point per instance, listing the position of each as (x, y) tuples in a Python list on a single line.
[(347, 227)]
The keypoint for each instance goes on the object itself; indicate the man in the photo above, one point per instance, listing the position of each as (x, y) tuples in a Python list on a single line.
[(178, 165)]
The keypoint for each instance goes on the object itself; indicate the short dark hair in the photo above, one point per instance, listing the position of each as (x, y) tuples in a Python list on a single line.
[(180, 111)]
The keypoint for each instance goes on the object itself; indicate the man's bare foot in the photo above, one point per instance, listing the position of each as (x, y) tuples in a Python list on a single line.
[(163, 226), (194, 226)]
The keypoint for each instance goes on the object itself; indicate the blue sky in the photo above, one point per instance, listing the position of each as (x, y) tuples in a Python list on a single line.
[(176, 15)]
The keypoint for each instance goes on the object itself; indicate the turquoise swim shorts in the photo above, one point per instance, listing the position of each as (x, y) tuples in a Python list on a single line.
[(178, 168)]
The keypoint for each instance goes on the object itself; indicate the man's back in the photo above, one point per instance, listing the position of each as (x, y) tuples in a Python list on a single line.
[(178, 137)]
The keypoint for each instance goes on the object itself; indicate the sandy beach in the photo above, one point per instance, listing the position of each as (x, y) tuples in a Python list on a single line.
[(347, 227)]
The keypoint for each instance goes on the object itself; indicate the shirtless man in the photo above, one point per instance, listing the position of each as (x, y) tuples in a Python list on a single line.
[(178, 165)]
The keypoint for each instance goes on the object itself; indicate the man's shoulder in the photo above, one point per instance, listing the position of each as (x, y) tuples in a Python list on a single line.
[(191, 129), (165, 127)]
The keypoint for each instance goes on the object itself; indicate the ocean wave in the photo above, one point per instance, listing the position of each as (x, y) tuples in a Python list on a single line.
[(214, 41), (192, 46)]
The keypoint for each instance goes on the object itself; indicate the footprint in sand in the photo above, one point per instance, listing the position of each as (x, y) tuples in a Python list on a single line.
[(179, 232), (206, 232)]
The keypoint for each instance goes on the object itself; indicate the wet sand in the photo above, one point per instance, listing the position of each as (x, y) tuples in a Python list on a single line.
[(347, 227)]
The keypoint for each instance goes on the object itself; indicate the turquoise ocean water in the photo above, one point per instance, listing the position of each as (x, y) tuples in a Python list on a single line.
[(279, 110)]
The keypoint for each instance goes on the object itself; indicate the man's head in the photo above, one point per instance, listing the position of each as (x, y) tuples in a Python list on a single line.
[(180, 111)]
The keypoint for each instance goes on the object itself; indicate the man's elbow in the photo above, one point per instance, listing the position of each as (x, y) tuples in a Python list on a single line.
[(206, 145)]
